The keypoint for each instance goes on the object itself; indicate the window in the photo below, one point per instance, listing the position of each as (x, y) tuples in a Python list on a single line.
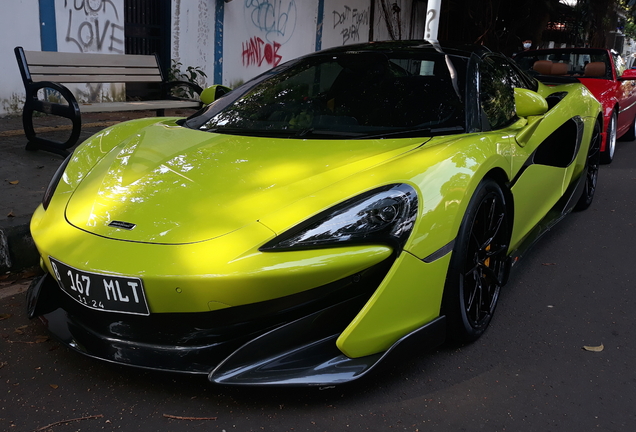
[(496, 94), (619, 64)]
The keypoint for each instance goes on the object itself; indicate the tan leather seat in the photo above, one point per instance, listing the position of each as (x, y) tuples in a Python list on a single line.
[(559, 69), (594, 69), (543, 67)]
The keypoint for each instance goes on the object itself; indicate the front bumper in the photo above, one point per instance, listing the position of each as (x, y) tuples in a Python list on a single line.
[(286, 341)]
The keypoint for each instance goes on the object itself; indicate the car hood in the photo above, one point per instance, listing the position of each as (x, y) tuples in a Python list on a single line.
[(167, 184)]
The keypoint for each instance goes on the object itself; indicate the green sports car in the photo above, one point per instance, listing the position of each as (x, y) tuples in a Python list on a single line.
[(300, 227)]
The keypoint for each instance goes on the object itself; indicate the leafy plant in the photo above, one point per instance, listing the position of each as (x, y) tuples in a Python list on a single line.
[(13, 105), (192, 74)]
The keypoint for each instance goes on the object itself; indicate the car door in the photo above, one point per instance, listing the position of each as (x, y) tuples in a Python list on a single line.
[(625, 95), (538, 161)]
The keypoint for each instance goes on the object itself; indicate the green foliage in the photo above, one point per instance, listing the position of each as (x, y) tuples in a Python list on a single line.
[(192, 74), (13, 105), (629, 28)]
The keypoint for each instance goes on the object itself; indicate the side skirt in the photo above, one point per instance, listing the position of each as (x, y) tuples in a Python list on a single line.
[(554, 216)]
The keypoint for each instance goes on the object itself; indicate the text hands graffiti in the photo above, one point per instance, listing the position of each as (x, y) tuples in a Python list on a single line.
[(88, 35), (272, 18), (256, 51), (91, 31), (350, 20)]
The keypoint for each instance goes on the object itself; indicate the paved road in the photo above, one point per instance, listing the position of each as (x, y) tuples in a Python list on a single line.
[(530, 372)]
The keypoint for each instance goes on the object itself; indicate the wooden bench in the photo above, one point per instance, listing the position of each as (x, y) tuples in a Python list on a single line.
[(49, 70)]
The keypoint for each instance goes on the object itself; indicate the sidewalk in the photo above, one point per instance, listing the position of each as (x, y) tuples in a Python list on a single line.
[(24, 175)]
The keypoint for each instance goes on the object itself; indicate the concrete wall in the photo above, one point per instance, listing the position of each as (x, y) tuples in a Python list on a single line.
[(260, 34), (193, 24), (256, 35), (95, 26), (346, 22), (92, 26), (18, 28)]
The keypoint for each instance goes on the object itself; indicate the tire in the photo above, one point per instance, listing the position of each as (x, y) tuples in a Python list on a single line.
[(630, 135), (478, 267), (610, 147), (591, 172)]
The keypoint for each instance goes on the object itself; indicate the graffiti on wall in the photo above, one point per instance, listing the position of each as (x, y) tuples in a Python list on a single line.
[(94, 26), (273, 22), (256, 51), (349, 20)]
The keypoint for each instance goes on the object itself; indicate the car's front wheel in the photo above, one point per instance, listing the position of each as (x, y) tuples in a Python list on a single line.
[(478, 265), (610, 140)]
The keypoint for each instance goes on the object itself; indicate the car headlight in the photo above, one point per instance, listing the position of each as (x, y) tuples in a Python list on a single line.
[(48, 194), (383, 215)]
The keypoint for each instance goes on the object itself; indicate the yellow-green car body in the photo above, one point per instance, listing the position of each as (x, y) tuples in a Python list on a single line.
[(177, 244)]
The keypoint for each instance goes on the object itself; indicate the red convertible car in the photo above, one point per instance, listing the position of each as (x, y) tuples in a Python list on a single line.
[(604, 73)]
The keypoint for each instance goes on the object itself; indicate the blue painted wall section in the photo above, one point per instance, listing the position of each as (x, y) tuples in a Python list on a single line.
[(218, 41), (48, 32), (319, 19)]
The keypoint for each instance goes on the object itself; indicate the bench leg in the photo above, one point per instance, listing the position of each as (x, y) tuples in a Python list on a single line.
[(38, 143), (70, 111)]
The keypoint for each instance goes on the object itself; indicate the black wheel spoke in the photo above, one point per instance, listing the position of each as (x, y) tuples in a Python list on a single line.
[(473, 293), (491, 273), (493, 232)]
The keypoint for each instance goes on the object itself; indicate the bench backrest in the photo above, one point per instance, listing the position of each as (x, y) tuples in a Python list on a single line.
[(64, 67)]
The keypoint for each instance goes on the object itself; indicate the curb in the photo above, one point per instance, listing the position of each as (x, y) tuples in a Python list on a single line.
[(17, 249)]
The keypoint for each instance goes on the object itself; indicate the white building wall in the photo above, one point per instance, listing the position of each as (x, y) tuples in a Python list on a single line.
[(260, 34), (193, 34), (90, 26), (346, 23), (20, 26)]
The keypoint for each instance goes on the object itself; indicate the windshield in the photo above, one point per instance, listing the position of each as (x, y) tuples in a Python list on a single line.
[(358, 95)]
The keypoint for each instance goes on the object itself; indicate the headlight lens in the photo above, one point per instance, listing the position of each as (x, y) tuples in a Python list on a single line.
[(383, 215), (48, 194)]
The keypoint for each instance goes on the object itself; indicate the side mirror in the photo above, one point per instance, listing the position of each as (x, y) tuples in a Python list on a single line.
[(629, 74), (212, 93), (529, 103)]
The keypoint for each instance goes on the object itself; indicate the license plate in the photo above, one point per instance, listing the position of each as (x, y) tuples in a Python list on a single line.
[(101, 291)]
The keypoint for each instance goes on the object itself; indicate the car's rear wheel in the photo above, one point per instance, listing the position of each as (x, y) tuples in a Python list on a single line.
[(591, 174), (478, 265), (610, 140)]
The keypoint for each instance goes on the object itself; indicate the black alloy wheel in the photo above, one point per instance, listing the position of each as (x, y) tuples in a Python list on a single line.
[(592, 167), (478, 265)]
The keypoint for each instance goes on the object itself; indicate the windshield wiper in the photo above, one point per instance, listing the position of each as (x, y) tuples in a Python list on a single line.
[(246, 132), (327, 132), (417, 132)]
